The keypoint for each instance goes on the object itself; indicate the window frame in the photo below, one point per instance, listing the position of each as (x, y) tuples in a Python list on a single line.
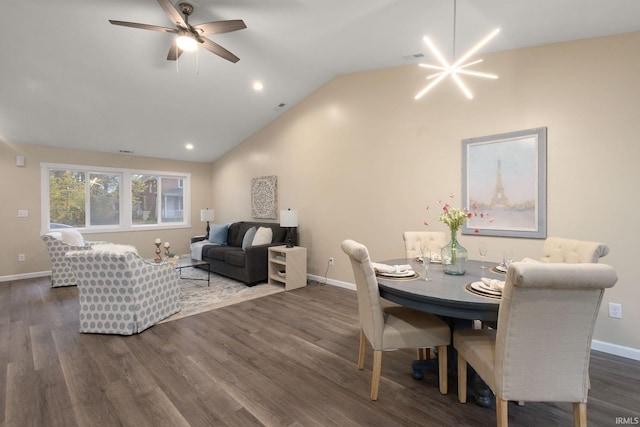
[(126, 207)]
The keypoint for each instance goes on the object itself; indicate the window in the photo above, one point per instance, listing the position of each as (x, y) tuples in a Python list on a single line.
[(104, 199)]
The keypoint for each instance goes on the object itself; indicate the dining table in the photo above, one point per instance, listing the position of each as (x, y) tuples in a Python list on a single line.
[(450, 297)]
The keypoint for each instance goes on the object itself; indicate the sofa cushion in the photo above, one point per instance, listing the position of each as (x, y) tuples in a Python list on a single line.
[(214, 252), (263, 236), (235, 257), (247, 240), (218, 233)]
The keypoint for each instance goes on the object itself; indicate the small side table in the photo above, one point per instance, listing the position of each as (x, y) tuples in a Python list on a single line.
[(288, 267)]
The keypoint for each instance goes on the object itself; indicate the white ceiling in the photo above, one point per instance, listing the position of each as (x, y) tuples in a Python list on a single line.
[(70, 79)]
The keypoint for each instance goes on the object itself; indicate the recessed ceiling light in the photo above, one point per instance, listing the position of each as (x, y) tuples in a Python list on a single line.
[(189, 146), (258, 86)]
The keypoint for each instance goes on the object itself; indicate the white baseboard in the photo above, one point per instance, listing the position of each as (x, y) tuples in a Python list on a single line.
[(333, 282), (605, 347), (615, 349), (25, 276)]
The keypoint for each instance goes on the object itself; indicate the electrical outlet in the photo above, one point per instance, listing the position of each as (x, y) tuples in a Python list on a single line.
[(21, 257), (615, 310), (331, 260)]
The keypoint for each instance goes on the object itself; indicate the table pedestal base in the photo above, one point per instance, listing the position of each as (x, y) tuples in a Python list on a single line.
[(477, 390)]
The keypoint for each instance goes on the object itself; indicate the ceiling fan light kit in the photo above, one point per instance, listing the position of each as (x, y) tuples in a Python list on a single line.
[(186, 43), (189, 37)]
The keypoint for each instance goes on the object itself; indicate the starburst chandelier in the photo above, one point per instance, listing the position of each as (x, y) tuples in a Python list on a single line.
[(458, 67)]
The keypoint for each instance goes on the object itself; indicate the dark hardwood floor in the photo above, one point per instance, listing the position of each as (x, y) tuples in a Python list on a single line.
[(288, 359)]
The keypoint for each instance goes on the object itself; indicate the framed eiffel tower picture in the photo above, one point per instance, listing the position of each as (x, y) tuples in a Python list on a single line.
[(505, 179)]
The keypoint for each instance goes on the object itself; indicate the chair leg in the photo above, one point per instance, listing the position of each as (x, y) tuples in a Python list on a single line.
[(462, 379), (361, 350), (502, 412), (579, 414), (442, 369), (375, 377), (423, 354)]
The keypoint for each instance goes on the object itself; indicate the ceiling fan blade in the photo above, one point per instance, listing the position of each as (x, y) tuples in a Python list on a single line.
[(144, 26), (220, 27), (219, 50), (172, 13), (174, 52)]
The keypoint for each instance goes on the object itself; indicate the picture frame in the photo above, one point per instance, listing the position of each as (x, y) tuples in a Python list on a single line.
[(264, 197), (504, 180)]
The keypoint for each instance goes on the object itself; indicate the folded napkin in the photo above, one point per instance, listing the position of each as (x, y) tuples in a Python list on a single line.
[(385, 268), (531, 260), (498, 285)]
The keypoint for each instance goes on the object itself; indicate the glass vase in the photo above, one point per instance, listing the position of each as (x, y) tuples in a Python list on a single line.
[(454, 256)]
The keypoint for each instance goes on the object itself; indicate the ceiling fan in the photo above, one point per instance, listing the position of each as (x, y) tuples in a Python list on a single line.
[(190, 35)]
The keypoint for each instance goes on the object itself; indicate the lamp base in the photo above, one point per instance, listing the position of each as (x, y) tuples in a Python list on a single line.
[(288, 239), (206, 236)]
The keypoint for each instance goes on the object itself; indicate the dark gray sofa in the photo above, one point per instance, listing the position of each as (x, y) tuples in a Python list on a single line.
[(249, 266)]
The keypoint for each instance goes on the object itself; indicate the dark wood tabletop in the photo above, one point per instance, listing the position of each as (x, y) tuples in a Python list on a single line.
[(444, 295)]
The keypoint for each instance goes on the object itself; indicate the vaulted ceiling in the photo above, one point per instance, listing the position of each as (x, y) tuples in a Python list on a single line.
[(68, 78)]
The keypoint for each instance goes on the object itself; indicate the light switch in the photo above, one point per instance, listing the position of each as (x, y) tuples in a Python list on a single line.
[(23, 213)]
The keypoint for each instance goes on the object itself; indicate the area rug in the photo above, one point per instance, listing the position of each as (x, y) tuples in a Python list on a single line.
[(196, 297)]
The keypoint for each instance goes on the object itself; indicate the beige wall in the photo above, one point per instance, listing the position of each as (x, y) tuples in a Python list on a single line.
[(21, 190), (360, 159)]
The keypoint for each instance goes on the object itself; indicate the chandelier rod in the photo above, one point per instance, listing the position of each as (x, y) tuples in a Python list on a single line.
[(454, 30)]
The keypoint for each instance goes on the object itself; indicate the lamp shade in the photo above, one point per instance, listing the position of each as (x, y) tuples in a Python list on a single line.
[(288, 218), (206, 214)]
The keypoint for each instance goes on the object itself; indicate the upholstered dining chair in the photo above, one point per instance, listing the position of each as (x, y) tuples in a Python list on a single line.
[(391, 328), (559, 249), (121, 293), (550, 306), (415, 240)]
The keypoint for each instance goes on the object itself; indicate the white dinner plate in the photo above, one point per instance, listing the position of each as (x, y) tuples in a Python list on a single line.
[(484, 289), (406, 273)]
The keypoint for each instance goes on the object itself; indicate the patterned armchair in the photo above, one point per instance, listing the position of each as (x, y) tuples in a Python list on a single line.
[(61, 274), (120, 293)]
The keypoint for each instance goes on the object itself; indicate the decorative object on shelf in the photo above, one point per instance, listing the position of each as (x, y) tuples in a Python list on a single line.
[(157, 257), (167, 245), (207, 215), (264, 197), (289, 220), (458, 66), (454, 256)]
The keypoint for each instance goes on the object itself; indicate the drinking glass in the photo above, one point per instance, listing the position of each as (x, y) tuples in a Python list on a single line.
[(426, 261), (483, 252), (507, 258)]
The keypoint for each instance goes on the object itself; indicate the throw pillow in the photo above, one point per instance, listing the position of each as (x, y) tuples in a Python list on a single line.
[(72, 237), (247, 240), (115, 248), (263, 236), (218, 233)]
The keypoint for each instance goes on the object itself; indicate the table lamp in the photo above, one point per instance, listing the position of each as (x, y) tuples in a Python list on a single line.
[(207, 215), (289, 219)]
